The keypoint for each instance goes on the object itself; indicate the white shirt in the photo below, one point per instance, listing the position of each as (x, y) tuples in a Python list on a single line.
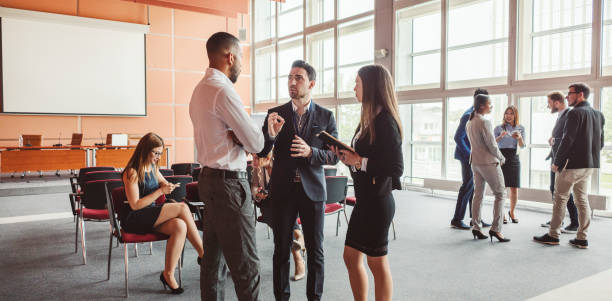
[(216, 108)]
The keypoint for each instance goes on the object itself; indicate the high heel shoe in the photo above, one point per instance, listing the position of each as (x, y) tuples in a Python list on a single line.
[(498, 236), (298, 277), (478, 234), (514, 220), (176, 291), (199, 260)]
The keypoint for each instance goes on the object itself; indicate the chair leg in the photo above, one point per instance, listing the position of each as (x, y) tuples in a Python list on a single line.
[(76, 234), (180, 268), (136, 249), (337, 223), (345, 217), (110, 250), (83, 243), (393, 225), (125, 261), (182, 257), (151, 247)]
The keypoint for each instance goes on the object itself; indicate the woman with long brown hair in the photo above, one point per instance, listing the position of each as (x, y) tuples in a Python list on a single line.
[(510, 136), (143, 185), (376, 167)]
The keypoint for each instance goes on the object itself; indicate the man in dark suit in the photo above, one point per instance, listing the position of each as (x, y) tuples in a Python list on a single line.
[(575, 161), (556, 104), (462, 153), (298, 179)]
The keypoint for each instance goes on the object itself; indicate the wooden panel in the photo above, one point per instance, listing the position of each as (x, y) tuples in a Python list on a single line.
[(197, 25), (160, 19), (115, 10), (159, 86), (119, 158), (34, 160), (159, 51), (190, 54), (227, 8), (67, 7), (185, 82), (32, 140)]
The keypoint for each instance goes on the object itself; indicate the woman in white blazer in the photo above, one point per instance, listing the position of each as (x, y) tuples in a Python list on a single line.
[(486, 161)]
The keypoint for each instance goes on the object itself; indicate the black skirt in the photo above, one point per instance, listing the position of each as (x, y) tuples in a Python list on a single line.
[(141, 221), (512, 168), (368, 228)]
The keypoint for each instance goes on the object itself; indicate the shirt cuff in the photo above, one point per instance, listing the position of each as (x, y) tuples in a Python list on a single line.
[(364, 164)]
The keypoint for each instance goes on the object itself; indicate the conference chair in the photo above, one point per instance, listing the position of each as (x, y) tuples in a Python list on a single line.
[(184, 168), (192, 199), (337, 186), (195, 173), (352, 201), (166, 172), (76, 183), (115, 200), (92, 207), (178, 194)]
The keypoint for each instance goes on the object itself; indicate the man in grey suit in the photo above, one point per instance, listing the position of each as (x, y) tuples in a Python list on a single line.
[(556, 104), (575, 161)]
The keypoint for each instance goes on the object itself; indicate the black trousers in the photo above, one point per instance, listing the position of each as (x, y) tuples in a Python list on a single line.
[(229, 239), (571, 207), (465, 192), (312, 214)]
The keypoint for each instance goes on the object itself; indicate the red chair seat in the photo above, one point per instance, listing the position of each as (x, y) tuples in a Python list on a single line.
[(332, 208), (94, 213), (133, 237), (351, 200)]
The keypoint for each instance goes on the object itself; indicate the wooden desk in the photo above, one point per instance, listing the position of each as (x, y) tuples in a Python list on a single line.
[(21, 160), (118, 157)]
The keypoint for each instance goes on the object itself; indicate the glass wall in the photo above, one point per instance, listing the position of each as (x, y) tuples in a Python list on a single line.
[(605, 177)]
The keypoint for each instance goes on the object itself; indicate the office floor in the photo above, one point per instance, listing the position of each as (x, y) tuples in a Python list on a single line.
[(429, 260)]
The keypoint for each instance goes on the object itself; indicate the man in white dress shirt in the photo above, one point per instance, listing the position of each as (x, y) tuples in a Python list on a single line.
[(223, 134)]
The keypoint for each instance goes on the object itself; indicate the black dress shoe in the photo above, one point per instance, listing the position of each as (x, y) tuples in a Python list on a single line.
[(570, 229), (546, 239), (485, 224), (459, 225), (579, 243)]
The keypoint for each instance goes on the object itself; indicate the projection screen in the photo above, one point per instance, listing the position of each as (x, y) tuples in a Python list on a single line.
[(58, 64)]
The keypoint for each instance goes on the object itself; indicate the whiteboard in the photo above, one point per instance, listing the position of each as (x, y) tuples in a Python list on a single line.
[(55, 64)]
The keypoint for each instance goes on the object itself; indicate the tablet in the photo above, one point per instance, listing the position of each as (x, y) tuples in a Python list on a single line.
[(331, 140)]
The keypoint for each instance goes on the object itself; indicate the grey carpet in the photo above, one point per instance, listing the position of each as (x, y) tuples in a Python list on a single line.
[(429, 260)]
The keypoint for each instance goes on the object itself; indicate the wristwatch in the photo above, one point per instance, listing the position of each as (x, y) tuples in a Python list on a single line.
[(358, 165)]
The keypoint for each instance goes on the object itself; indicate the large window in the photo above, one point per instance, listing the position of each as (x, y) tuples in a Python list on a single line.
[(555, 37), (351, 58), (477, 42), (426, 140), (348, 120), (605, 176), (308, 29), (606, 56), (417, 44), (320, 54)]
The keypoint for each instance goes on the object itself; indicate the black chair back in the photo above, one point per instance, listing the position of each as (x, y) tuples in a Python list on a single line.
[(195, 173), (166, 172), (114, 202), (192, 192), (85, 170), (336, 189), (94, 194), (99, 175), (184, 168), (178, 193), (330, 171)]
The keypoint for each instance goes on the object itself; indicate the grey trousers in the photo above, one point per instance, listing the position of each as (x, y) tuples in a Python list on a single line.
[(579, 180), (492, 174), (229, 238)]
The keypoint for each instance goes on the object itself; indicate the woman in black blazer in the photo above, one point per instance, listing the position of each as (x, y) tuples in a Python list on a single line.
[(376, 167)]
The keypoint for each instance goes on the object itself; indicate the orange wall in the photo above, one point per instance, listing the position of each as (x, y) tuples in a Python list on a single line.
[(176, 61)]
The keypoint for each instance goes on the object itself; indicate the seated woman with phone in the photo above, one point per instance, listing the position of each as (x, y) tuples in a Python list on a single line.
[(143, 185)]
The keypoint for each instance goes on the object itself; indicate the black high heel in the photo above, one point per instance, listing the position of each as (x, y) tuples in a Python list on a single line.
[(514, 220), (175, 291), (199, 260), (478, 234), (498, 236)]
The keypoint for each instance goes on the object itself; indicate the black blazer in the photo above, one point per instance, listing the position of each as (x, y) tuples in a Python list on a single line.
[(385, 160), (583, 138), (309, 169), (557, 133)]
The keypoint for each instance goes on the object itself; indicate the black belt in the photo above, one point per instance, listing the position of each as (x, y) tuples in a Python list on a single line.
[(296, 179), (228, 174)]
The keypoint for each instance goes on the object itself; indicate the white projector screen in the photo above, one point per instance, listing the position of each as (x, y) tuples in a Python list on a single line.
[(54, 64)]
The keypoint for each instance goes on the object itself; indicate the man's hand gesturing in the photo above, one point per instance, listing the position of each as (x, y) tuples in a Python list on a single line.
[(275, 124)]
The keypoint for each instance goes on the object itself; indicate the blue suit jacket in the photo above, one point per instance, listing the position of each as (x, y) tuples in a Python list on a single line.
[(310, 169), (462, 148)]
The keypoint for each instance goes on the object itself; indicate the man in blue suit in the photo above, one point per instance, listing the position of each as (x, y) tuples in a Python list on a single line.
[(462, 153), (297, 184)]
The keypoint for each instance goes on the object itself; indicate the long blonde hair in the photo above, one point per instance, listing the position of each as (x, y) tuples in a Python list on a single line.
[(378, 93), (138, 161), (515, 122)]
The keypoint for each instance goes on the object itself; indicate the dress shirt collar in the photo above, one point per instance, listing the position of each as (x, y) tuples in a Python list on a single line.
[(563, 111), (295, 108), (216, 73)]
